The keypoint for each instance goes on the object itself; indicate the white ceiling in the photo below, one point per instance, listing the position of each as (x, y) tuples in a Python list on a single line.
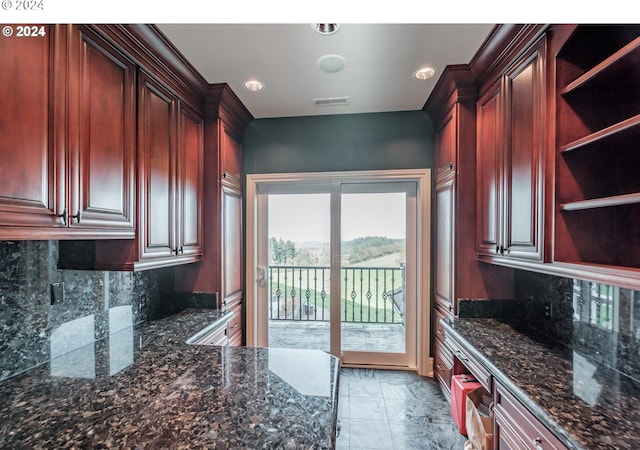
[(380, 61)]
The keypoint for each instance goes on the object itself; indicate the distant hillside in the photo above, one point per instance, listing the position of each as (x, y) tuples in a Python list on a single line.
[(390, 260), (380, 251), (370, 247)]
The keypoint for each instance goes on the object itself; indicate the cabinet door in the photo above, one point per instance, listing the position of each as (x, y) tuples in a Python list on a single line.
[(156, 135), (190, 179), (33, 173), (231, 153), (524, 90), (101, 134), (446, 142), (489, 171), (445, 240), (505, 437), (231, 264)]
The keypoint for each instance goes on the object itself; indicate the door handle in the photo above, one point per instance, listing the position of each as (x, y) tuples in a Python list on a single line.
[(260, 275)]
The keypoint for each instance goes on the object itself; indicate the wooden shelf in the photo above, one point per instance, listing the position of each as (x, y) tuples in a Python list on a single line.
[(626, 128), (616, 200), (623, 59)]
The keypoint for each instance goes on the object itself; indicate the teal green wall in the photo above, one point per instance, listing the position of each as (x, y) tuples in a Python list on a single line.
[(376, 141)]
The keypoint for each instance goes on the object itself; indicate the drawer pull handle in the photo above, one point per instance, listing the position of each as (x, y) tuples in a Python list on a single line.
[(537, 441), (461, 356)]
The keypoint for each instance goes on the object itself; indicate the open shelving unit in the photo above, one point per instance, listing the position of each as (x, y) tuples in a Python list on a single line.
[(597, 220)]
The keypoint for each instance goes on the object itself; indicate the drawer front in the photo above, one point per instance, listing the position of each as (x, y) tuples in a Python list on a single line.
[(463, 362), (513, 415), (218, 337), (437, 326), (235, 325), (443, 367)]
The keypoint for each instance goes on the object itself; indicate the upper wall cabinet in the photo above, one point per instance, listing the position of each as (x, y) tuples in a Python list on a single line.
[(67, 121), (511, 159), (597, 157), (170, 177)]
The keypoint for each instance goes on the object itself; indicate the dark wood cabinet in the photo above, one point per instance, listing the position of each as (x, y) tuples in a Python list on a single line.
[(30, 166), (170, 185), (190, 178), (68, 169), (157, 162), (232, 259), (221, 269), (489, 172), (516, 428), (598, 124), (457, 273), (512, 149), (445, 240), (102, 126)]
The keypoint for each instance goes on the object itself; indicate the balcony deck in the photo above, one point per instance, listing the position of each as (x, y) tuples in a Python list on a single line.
[(355, 336)]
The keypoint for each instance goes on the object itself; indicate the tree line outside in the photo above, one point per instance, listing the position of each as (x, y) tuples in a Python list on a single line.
[(285, 253)]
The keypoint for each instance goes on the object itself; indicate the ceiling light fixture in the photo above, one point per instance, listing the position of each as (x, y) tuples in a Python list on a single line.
[(424, 74), (253, 85), (325, 28)]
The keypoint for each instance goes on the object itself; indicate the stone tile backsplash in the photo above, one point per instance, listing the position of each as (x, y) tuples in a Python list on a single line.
[(598, 321), (100, 301)]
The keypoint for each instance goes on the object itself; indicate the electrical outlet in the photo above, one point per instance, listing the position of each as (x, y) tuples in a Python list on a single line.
[(57, 293), (548, 310)]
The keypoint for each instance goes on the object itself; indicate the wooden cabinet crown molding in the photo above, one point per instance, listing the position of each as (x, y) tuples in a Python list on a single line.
[(503, 46), (151, 50), (456, 84), (223, 103)]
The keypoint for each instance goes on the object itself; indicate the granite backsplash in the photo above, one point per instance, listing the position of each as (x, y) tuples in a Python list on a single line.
[(95, 303), (599, 321)]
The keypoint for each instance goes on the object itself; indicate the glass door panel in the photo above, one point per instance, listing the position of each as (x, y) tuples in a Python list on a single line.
[(298, 274), (373, 263)]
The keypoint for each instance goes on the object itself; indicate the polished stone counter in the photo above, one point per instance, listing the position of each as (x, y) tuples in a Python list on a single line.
[(586, 404), (144, 387)]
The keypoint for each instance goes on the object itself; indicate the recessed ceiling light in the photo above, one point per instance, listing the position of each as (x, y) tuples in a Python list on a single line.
[(424, 73), (325, 28), (331, 63), (253, 85)]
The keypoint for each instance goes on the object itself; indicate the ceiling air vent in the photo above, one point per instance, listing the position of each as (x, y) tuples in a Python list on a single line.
[(331, 101)]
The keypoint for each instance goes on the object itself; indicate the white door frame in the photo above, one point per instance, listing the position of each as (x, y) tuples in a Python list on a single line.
[(256, 335)]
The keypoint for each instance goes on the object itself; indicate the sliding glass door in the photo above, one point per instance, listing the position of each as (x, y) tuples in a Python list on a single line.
[(337, 268)]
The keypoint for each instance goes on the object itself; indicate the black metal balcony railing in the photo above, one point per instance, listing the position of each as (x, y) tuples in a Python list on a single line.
[(368, 294)]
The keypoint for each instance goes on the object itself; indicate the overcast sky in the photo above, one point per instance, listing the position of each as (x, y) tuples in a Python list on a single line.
[(305, 217)]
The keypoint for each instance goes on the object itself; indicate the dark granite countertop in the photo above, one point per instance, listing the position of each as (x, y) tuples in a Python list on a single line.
[(586, 404), (144, 387)]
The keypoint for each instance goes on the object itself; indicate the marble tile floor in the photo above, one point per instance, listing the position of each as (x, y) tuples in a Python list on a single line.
[(355, 336), (393, 410)]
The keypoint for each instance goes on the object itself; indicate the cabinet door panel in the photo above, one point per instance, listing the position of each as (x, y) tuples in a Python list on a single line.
[(231, 154), (445, 239), (489, 171), (446, 142), (191, 169), (156, 133), (524, 89), (103, 154), (231, 244), (28, 192)]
